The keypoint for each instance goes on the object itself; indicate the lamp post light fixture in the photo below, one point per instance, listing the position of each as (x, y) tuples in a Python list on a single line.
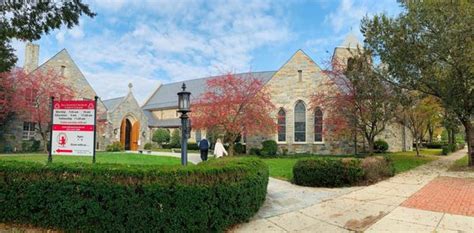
[(184, 108)]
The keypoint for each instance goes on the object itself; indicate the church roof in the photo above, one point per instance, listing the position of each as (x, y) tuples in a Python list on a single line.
[(166, 95), (165, 123), (110, 104)]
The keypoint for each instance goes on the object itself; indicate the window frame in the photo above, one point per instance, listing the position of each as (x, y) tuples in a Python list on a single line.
[(305, 123), (278, 126), (30, 132), (318, 109)]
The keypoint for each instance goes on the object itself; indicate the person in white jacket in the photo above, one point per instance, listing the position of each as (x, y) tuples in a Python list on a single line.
[(219, 149)]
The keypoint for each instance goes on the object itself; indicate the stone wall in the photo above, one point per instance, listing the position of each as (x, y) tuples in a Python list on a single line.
[(287, 88)]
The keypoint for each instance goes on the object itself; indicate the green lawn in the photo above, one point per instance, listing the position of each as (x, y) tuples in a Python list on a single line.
[(282, 168), (461, 165), (101, 157), (404, 161)]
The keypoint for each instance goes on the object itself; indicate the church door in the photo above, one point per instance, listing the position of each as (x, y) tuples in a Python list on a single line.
[(125, 134)]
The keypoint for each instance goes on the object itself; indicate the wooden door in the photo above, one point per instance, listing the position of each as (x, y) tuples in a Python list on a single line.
[(135, 136)]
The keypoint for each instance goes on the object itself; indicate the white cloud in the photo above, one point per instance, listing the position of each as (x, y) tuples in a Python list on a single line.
[(171, 41)]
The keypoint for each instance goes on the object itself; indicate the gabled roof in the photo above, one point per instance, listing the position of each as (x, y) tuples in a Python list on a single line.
[(166, 95), (111, 104)]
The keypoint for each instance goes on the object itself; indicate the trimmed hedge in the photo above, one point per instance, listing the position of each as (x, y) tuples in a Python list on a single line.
[(327, 172), (434, 145), (337, 172), (211, 196)]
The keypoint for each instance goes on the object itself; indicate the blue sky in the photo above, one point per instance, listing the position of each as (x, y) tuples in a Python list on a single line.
[(160, 41)]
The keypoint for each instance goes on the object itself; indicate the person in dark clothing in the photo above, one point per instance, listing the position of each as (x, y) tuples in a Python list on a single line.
[(204, 148)]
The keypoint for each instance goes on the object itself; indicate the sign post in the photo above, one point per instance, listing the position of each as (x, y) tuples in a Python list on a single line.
[(73, 128), (50, 158), (95, 127)]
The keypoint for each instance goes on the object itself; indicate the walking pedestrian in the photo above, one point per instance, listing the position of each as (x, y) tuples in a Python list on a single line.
[(219, 149), (204, 148)]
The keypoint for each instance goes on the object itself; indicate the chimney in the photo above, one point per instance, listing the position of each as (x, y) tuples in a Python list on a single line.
[(31, 57)]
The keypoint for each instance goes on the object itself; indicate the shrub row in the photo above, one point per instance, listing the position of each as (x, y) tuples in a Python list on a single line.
[(333, 172), (448, 148), (208, 197)]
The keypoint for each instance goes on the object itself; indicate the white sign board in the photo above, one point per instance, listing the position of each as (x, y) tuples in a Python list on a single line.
[(73, 128)]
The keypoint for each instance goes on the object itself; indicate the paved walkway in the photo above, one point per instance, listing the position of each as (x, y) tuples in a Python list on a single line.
[(375, 208)]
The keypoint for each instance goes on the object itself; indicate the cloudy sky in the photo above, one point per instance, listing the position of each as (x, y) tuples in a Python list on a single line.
[(149, 42)]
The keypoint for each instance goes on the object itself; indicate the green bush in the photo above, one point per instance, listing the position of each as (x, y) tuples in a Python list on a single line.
[(161, 136), (148, 146), (327, 172), (434, 145), (254, 151), (175, 141), (380, 146), (115, 147), (209, 197), (30, 145), (269, 148), (448, 148), (240, 148), (193, 146)]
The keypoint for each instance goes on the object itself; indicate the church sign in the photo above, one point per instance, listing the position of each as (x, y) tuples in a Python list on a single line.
[(73, 129)]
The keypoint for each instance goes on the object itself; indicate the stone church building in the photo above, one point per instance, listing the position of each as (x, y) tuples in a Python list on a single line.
[(300, 128)]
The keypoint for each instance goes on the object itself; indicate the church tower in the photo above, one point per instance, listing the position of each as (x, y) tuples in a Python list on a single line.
[(349, 48), (31, 57)]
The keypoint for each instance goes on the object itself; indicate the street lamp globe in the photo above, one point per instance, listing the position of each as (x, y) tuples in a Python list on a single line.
[(183, 100)]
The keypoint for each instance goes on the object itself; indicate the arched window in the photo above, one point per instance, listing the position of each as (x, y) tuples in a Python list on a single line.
[(318, 125), (300, 122), (281, 125)]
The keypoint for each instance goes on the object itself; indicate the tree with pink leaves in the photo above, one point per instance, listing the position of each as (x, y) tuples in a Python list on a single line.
[(235, 105)]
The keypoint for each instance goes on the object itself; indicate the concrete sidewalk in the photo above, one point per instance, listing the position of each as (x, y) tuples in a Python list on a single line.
[(375, 208)]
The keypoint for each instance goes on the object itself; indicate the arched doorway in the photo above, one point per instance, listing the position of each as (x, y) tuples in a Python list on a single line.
[(129, 133)]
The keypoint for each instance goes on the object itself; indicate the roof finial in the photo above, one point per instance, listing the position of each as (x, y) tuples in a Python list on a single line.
[(183, 87), (130, 85)]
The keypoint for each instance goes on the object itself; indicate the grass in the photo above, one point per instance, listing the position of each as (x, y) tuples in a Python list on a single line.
[(282, 168), (461, 165), (101, 157), (404, 161)]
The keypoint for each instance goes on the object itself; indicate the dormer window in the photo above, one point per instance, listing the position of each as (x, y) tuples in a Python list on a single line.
[(300, 75)]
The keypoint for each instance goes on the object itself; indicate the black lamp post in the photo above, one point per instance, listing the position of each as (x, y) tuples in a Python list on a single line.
[(184, 108)]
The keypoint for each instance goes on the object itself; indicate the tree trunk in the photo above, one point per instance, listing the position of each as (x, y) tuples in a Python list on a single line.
[(231, 149), (417, 147), (470, 141), (430, 133), (370, 143), (453, 137)]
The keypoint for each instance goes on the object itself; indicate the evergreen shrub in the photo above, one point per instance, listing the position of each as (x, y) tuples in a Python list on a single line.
[(209, 197), (240, 148), (269, 148), (380, 146)]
